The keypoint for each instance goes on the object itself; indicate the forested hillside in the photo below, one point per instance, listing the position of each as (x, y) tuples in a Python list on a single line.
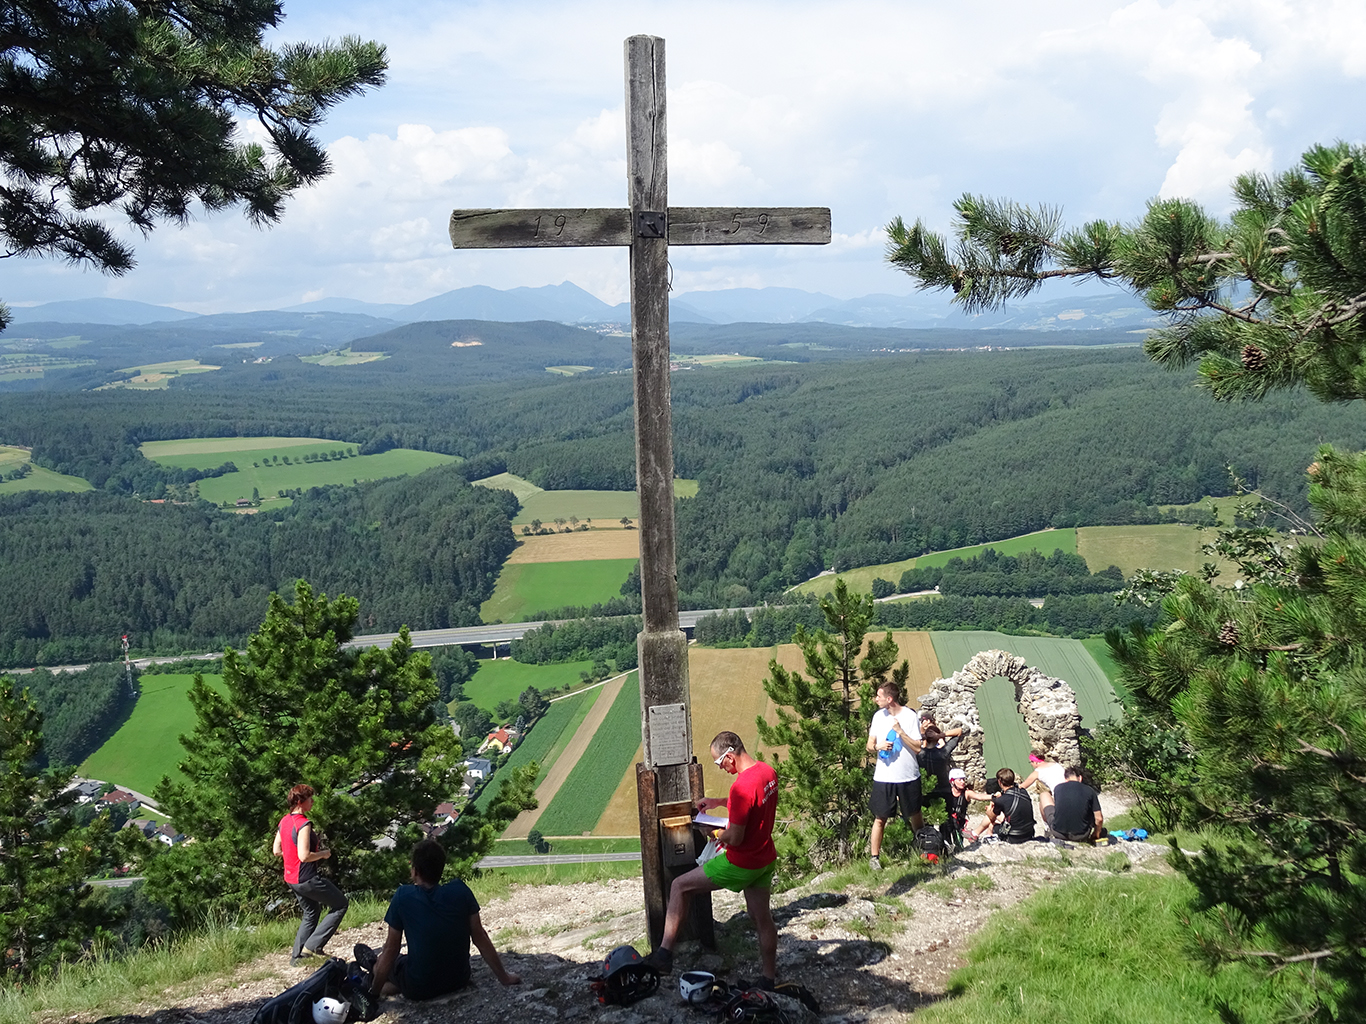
[(80, 711), (82, 569), (801, 466)]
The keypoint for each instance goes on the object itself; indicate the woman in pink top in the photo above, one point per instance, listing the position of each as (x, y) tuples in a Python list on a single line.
[(296, 841)]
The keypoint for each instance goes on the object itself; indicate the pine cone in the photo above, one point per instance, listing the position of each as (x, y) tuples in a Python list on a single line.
[(1254, 359), (1229, 633)]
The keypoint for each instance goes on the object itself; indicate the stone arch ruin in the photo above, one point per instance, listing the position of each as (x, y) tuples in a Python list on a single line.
[(1048, 706)]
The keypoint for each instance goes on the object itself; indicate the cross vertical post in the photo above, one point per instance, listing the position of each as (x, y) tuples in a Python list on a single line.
[(669, 781), (661, 645)]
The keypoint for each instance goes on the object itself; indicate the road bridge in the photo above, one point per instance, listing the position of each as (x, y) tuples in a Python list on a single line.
[(460, 636)]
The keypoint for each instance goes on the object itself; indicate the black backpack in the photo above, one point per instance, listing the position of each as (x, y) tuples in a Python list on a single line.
[(929, 841), (295, 1004)]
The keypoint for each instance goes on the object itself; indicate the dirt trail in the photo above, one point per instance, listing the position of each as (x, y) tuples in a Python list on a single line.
[(871, 952), (523, 824)]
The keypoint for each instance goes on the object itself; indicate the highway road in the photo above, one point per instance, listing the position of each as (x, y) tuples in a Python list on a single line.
[(500, 634), (482, 636), (521, 861)]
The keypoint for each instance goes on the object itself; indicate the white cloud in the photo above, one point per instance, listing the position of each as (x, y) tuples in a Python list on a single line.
[(873, 107)]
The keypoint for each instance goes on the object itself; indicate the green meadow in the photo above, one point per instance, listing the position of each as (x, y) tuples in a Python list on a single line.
[(548, 737), (158, 376), (497, 681), (527, 588), (1100, 651), (148, 744), (861, 578), (547, 506), (583, 797), (1161, 546), (1044, 541), (272, 464), (38, 479), (343, 357)]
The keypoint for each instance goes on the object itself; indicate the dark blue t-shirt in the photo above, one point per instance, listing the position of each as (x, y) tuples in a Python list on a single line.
[(436, 923)]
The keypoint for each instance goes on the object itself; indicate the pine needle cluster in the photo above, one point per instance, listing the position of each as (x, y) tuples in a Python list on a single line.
[(132, 108), (1271, 298)]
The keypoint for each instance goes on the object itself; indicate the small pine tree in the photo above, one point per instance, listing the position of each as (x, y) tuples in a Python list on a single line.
[(47, 913), (823, 720), (300, 706)]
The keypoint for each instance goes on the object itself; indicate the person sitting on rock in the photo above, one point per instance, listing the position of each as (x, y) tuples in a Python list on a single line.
[(1045, 770), (935, 759), (439, 922), (1072, 810), (955, 827), (1011, 812)]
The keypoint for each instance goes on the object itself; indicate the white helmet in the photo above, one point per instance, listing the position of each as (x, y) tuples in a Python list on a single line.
[(330, 1011), (696, 987)]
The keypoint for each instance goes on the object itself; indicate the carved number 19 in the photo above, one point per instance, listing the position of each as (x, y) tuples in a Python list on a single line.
[(558, 224)]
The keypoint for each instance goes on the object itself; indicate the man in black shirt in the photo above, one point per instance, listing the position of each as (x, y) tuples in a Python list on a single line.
[(1011, 811), (1072, 811)]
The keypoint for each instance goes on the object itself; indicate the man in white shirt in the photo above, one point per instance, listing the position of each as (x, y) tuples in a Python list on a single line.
[(894, 736)]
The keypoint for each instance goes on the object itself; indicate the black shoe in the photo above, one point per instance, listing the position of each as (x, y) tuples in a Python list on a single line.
[(762, 983), (662, 960), (365, 956)]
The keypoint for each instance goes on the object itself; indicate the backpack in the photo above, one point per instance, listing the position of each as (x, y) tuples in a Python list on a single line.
[(295, 1004), (929, 841)]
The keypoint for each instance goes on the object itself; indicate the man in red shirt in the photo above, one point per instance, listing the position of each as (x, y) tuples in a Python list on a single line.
[(748, 858)]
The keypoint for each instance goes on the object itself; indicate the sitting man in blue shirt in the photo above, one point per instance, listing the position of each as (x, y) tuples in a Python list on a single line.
[(440, 922)]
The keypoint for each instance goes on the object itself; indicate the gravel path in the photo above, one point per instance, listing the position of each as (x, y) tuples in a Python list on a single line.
[(870, 952)]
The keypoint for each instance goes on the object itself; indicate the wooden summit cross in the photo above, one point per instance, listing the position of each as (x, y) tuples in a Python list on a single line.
[(670, 778)]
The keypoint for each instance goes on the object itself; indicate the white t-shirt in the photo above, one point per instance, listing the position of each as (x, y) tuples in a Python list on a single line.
[(904, 767), (1051, 774)]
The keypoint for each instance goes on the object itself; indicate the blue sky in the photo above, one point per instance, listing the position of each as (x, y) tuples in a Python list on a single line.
[(872, 109)]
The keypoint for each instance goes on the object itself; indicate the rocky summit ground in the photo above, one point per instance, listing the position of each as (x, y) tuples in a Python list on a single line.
[(871, 951)]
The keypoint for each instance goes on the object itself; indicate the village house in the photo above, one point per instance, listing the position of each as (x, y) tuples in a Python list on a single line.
[(499, 741), (120, 798)]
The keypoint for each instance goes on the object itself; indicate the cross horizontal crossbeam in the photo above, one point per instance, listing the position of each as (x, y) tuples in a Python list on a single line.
[(682, 225)]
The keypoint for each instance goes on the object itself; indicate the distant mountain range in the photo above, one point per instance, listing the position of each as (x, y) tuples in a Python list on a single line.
[(568, 304)]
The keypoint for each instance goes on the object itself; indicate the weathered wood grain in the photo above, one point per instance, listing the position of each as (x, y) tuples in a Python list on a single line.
[(688, 225), (732, 225), (534, 229)]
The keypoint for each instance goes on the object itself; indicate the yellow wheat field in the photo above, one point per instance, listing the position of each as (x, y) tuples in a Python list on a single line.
[(728, 693)]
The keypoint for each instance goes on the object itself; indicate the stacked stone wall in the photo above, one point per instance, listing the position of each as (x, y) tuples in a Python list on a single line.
[(1047, 705)]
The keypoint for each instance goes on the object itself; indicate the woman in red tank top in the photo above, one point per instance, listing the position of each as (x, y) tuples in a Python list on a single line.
[(296, 841)]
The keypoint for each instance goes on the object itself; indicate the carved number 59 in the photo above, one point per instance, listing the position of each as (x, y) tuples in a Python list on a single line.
[(736, 224)]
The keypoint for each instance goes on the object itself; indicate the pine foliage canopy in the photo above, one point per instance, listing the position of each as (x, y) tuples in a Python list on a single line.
[(131, 107), (356, 724), (822, 720)]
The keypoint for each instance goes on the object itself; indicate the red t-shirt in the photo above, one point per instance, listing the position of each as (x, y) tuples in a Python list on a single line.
[(753, 802), (290, 826)]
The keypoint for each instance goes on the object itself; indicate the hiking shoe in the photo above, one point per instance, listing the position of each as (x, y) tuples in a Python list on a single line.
[(875, 863), (662, 960), (762, 983), (365, 956)]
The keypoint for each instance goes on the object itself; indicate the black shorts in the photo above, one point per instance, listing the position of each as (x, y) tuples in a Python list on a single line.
[(1074, 837), (888, 796), (398, 975)]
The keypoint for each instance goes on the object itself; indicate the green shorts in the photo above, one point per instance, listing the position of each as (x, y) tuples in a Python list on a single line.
[(728, 876)]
